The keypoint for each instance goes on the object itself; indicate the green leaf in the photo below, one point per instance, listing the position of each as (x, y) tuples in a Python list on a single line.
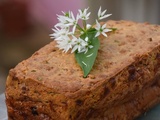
[(86, 60)]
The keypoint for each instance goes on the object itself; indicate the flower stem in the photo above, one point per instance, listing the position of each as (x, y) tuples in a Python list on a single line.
[(79, 27), (84, 24)]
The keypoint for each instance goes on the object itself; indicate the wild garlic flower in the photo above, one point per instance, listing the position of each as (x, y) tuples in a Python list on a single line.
[(60, 34), (65, 44), (101, 29), (83, 14), (65, 31), (101, 15), (63, 21), (80, 39), (79, 44)]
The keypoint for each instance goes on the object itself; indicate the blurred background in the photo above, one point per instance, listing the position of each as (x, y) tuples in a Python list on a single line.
[(25, 25)]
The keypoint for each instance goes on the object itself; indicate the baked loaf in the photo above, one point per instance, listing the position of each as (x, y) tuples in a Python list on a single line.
[(124, 81)]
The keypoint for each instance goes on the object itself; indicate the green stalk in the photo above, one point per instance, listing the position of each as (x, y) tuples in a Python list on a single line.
[(84, 24), (79, 27)]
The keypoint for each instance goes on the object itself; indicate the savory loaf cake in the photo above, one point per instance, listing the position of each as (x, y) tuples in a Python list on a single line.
[(126, 75)]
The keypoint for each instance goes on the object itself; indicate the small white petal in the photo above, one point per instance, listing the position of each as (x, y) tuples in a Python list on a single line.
[(74, 49), (105, 16), (74, 29), (88, 26), (98, 26), (104, 34), (107, 30), (99, 12), (102, 14), (72, 16), (97, 34), (86, 39), (90, 46), (103, 26)]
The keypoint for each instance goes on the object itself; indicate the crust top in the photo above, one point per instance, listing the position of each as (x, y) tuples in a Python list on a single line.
[(59, 70)]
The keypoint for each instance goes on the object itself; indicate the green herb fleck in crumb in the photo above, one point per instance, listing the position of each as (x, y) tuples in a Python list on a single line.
[(33, 70), (39, 78), (116, 41)]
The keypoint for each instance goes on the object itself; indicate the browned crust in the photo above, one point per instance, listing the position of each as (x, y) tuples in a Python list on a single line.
[(140, 103), (55, 85)]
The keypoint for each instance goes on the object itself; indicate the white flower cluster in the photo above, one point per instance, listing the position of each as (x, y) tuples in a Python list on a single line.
[(68, 31)]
